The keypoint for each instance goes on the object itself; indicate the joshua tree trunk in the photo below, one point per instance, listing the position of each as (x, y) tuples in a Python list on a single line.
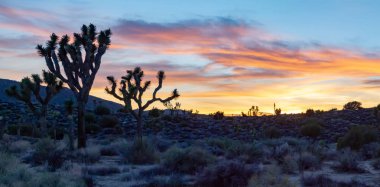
[(43, 121), (139, 127), (81, 124)]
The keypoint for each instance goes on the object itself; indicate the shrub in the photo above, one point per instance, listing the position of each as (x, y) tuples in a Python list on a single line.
[(108, 151), (309, 161), (271, 177), (247, 152), (272, 132), (371, 150), (348, 161), (376, 164), (92, 128), (140, 152), (217, 115), (108, 121), (311, 130), (14, 173), (25, 130), (353, 105), (289, 165), (57, 133), (226, 173), (102, 110), (89, 118), (172, 181), (309, 112), (103, 171), (357, 136), (47, 151), (90, 154), (19, 146), (155, 112), (186, 160)]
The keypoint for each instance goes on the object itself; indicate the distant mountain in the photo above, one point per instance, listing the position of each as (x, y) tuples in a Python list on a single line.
[(58, 99)]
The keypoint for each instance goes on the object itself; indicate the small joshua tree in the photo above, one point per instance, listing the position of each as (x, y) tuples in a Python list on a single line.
[(79, 69), (253, 111), (30, 87), (132, 89)]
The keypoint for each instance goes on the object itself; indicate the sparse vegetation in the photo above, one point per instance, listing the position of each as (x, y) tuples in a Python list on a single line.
[(358, 136), (311, 130), (187, 160)]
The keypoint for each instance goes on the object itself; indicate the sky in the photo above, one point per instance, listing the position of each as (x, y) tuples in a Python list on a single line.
[(220, 55)]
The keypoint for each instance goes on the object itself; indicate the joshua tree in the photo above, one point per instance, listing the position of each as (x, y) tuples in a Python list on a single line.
[(132, 89), (80, 70), (69, 108), (32, 86), (253, 111)]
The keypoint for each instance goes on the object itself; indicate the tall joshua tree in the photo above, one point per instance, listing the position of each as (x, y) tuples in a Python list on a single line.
[(132, 89), (31, 86), (80, 70)]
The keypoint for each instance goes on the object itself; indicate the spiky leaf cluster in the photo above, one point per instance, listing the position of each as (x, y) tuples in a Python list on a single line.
[(30, 86), (79, 69)]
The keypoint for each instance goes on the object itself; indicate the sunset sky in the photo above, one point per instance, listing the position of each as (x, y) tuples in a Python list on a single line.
[(221, 55)]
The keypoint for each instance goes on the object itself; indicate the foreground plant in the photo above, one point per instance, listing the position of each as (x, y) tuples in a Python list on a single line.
[(80, 69), (31, 86), (132, 89)]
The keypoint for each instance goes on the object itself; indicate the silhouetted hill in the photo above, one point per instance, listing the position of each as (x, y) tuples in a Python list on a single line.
[(59, 99)]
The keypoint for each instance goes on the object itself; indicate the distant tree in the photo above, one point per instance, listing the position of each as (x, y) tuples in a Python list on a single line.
[(30, 88), (310, 112), (277, 111), (243, 114), (253, 111), (79, 69), (376, 112), (132, 89), (353, 105)]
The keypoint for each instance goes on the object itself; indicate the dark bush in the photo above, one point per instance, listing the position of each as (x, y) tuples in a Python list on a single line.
[(353, 105), (348, 161), (217, 115), (226, 173), (272, 132), (47, 151), (102, 110), (90, 118), (155, 112), (311, 130), (358, 136), (92, 128), (309, 112), (103, 171), (57, 133), (25, 130), (187, 160), (140, 152), (108, 121), (247, 152)]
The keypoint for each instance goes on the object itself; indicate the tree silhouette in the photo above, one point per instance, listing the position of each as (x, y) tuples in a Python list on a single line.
[(80, 70), (132, 89), (31, 86)]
